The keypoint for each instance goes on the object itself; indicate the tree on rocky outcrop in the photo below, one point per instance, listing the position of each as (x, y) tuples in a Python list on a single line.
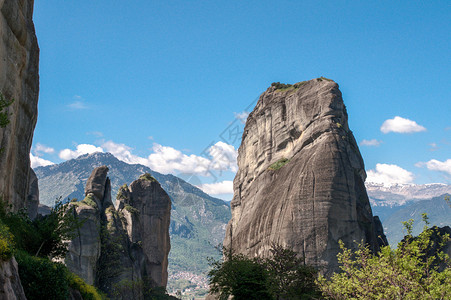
[(412, 271)]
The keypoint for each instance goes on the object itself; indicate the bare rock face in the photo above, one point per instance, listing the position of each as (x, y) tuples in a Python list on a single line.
[(300, 182), (19, 80), (125, 248), (146, 209), (33, 195), (10, 286)]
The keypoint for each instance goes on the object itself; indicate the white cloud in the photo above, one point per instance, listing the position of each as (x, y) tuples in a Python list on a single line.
[(223, 187), (436, 165), (76, 105), (67, 154), (37, 161), (370, 143), (389, 174), (39, 148), (401, 125), (166, 159), (95, 133), (224, 156), (242, 116)]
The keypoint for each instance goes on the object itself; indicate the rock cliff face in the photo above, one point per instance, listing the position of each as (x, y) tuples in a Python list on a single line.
[(301, 177), (10, 286), (125, 248), (19, 80)]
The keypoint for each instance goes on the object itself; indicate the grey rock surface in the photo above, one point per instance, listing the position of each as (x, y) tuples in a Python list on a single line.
[(146, 208), (300, 182), (19, 80), (33, 196), (10, 286), (125, 247)]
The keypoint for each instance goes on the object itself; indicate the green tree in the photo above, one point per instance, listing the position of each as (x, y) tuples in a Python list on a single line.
[(240, 277), (289, 276), (409, 272), (281, 276)]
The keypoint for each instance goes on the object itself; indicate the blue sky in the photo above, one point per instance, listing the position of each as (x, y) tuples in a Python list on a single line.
[(157, 82)]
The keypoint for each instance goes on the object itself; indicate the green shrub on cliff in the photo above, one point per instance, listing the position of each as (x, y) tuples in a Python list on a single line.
[(4, 116)]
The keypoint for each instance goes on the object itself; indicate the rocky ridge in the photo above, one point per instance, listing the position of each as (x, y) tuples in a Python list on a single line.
[(300, 182), (19, 81), (122, 246)]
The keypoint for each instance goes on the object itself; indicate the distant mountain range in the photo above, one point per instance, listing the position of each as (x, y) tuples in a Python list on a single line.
[(198, 220), (401, 202)]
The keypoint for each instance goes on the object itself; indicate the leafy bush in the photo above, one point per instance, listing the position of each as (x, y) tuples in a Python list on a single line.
[(278, 164), (6, 242), (409, 272), (88, 292), (42, 278)]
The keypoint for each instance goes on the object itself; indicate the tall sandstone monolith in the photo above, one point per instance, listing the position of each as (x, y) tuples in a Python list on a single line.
[(300, 180), (122, 249), (19, 80)]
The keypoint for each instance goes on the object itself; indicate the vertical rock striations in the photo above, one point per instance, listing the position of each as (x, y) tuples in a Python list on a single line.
[(19, 80), (301, 177), (125, 248)]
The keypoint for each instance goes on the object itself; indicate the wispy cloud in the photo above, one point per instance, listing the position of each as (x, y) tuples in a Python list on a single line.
[(436, 165), (223, 187), (401, 125), (95, 133), (81, 149), (37, 161), (370, 143), (389, 174), (434, 147), (77, 105), (242, 116), (40, 148)]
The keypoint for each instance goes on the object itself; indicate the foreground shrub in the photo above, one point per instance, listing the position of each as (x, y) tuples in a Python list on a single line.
[(6, 242), (409, 272), (282, 276), (88, 292), (42, 278)]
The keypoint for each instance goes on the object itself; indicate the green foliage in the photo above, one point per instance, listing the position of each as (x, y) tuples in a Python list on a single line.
[(289, 276), (4, 116), (282, 276), (239, 276), (124, 289), (89, 200), (278, 164), (147, 177), (409, 272), (131, 209), (6, 242), (46, 236), (42, 278), (88, 292)]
